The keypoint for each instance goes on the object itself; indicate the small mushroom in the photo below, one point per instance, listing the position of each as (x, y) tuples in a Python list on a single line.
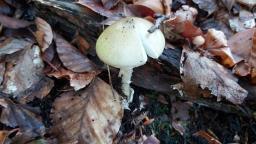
[(126, 44), (198, 41)]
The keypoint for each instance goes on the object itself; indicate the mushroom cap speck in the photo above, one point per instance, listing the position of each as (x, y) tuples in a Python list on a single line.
[(127, 42)]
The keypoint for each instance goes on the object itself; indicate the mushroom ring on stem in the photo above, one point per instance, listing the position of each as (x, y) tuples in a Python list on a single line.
[(126, 44)]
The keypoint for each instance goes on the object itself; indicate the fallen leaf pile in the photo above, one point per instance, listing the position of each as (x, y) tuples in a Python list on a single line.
[(54, 89)]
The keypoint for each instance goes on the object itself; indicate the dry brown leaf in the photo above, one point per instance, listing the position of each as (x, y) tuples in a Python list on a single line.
[(224, 55), (200, 73), (71, 57), (180, 116), (24, 70), (140, 11), (249, 3), (97, 7), (44, 34), (154, 5), (12, 45), (13, 23), (108, 4), (210, 139), (243, 46), (185, 28), (216, 45), (215, 39), (190, 30), (90, 116), (77, 80), (22, 116)]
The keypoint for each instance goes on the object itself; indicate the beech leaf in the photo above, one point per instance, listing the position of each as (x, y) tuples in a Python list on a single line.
[(71, 57), (77, 80), (44, 34), (200, 74), (90, 116)]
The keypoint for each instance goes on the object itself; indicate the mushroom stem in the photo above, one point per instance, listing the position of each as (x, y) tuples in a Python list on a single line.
[(126, 74)]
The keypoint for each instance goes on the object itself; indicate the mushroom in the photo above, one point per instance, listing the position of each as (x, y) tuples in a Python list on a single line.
[(198, 41), (126, 44)]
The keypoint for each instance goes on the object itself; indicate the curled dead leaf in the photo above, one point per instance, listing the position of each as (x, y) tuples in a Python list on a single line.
[(77, 80), (44, 34), (216, 45), (215, 39), (90, 116), (185, 28), (200, 74)]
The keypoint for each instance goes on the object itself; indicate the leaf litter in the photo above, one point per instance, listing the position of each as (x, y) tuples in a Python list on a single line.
[(217, 40)]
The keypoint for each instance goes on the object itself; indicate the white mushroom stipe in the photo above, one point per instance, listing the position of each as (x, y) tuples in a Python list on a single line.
[(126, 44), (126, 74)]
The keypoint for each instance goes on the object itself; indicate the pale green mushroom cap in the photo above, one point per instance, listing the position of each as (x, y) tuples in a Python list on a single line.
[(127, 42)]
